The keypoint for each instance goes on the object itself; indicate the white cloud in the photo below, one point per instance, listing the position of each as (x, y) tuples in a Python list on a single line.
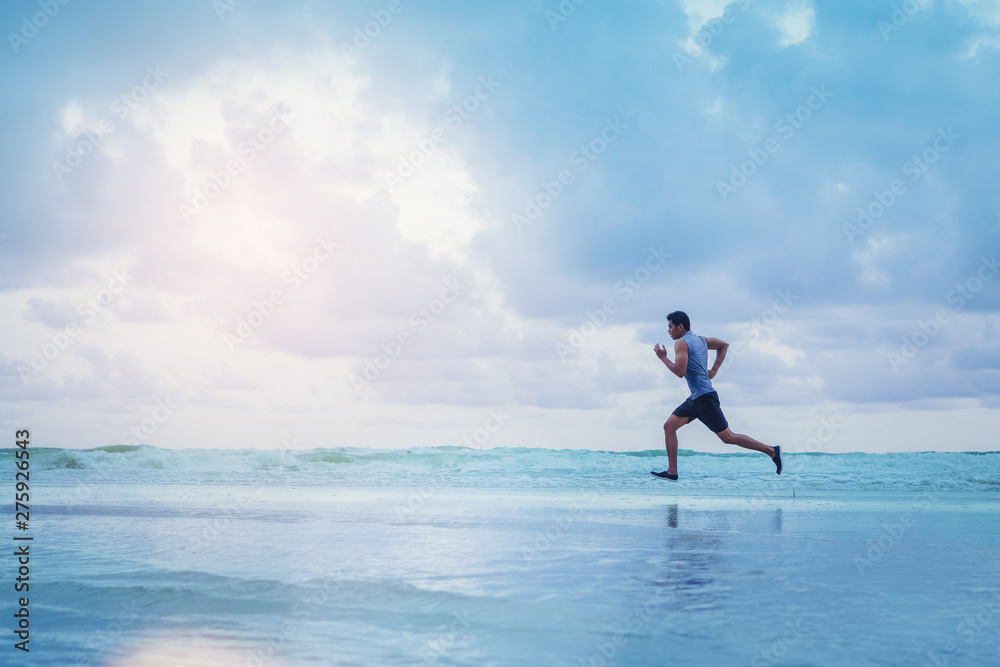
[(326, 176), (700, 12), (795, 23), (987, 11), (867, 256), (794, 20)]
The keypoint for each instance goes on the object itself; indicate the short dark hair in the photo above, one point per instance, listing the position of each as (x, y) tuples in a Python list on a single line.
[(680, 318)]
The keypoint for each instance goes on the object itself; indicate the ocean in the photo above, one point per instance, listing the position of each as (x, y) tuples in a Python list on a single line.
[(453, 556)]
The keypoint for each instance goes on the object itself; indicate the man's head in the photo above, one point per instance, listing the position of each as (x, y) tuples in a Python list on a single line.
[(678, 324)]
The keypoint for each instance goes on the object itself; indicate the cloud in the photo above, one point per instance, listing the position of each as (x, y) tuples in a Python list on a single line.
[(796, 23), (53, 313), (403, 169)]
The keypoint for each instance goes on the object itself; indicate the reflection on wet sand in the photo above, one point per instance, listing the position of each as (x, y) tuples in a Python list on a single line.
[(696, 570)]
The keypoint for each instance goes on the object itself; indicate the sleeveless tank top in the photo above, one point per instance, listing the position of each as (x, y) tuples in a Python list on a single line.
[(697, 368)]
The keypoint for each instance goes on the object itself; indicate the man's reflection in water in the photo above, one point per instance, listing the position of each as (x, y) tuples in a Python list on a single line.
[(749, 519), (696, 572), (689, 563), (672, 516), (753, 517)]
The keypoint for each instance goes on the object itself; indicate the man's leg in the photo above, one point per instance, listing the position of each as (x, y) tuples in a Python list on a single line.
[(746, 441), (710, 412), (670, 431)]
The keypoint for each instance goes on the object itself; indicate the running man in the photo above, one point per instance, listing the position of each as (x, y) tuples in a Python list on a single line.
[(691, 362)]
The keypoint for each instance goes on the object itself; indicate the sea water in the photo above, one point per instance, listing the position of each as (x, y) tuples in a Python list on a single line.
[(453, 556)]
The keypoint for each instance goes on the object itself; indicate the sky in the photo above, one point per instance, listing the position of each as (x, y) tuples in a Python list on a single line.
[(398, 223)]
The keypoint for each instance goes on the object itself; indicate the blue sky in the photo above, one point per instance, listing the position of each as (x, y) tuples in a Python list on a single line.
[(255, 225)]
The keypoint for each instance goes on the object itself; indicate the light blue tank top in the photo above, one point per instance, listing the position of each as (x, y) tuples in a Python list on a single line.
[(697, 368)]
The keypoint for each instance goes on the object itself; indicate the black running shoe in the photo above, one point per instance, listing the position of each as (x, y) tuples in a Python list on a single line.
[(777, 458), (663, 475)]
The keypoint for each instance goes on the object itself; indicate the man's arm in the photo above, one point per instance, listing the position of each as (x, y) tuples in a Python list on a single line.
[(679, 366), (720, 347)]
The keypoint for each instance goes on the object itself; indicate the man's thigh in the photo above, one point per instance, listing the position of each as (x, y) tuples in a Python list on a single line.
[(709, 411)]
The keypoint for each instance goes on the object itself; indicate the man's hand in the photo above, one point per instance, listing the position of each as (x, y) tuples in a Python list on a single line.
[(720, 347), (661, 352)]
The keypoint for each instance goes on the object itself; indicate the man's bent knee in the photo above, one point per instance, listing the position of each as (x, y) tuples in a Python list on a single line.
[(674, 423)]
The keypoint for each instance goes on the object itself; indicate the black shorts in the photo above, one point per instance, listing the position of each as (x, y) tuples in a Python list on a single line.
[(706, 408)]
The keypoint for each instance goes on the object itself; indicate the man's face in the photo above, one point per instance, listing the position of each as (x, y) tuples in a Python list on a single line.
[(674, 330)]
